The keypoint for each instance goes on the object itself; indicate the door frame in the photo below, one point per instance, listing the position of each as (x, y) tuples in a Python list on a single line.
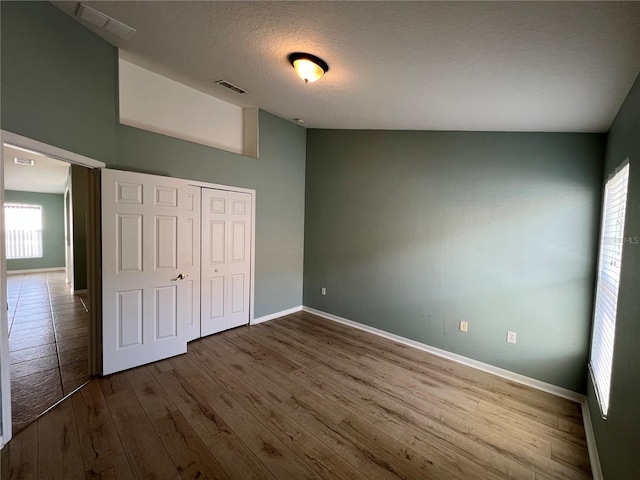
[(252, 283), (68, 241), (200, 185), (20, 141)]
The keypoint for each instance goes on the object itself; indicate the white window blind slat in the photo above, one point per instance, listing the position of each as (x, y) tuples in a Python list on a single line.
[(23, 231), (606, 301)]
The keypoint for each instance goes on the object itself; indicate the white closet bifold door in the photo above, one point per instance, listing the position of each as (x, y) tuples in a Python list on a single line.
[(226, 260)]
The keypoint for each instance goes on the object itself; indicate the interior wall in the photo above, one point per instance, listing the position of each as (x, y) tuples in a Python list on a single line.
[(52, 230), (59, 86), (278, 178), (412, 232), (512, 217), (619, 436), (152, 102), (59, 80), (79, 205)]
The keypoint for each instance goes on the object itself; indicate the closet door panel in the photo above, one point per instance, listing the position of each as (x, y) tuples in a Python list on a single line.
[(226, 260), (190, 257)]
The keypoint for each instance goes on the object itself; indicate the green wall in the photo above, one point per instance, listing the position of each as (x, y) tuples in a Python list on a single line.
[(52, 229), (59, 86), (618, 437), (59, 80), (278, 178), (79, 206), (411, 232)]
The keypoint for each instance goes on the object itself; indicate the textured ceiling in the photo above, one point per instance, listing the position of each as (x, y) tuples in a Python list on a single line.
[(45, 176), (502, 66)]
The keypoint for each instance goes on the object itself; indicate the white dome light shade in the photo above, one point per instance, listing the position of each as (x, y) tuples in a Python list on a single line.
[(309, 67)]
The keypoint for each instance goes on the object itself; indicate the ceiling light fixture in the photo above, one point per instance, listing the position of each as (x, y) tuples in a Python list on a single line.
[(309, 67)]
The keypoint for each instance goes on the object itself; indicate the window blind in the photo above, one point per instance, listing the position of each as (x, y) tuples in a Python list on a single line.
[(23, 231), (606, 301)]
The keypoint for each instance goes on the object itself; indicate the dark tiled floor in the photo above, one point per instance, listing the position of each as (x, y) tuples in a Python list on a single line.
[(48, 328)]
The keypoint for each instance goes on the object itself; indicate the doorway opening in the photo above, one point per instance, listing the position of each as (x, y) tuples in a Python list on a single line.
[(48, 332), (47, 318)]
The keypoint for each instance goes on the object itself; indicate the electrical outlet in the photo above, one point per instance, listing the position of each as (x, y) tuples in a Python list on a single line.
[(464, 326), (511, 337), (324, 291)]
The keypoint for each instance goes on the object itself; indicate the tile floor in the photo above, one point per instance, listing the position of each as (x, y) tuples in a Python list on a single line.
[(48, 342)]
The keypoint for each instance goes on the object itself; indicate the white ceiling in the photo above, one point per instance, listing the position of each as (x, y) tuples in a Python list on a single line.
[(45, 176), (501, 66)]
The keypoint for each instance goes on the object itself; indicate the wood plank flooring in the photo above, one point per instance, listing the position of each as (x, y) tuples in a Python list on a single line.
[(301, 397)]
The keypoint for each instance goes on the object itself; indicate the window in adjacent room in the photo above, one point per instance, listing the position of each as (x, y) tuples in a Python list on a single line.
[(606, 302), (23, 230)]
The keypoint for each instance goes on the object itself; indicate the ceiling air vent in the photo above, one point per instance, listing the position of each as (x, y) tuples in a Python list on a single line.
[(24, 161), (230, 86), (101, 20)]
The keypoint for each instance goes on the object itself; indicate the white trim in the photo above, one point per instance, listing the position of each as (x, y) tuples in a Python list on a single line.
[(5, 371), (50, 151), (217, 186), (35, 270), (82, 291), (592, 448), (272, 316), (500, 372), (252, 285)]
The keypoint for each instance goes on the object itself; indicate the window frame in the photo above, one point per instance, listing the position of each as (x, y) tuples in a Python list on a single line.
[(39, 232), (603, 321)]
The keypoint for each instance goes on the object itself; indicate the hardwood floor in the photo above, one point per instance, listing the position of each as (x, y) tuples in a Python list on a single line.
[(301, 397)]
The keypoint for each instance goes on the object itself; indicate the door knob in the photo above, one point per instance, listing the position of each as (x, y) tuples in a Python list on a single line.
[(182, 276)]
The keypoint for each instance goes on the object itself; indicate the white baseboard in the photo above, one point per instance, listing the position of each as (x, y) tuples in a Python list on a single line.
[(272, 316), (485, 367), (80, 292), (35, 270), (594, 459)]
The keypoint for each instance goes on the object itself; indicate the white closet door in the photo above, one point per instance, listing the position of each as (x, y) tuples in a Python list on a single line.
[(226, 260), (191, 261), (239, 260), (149, 271)]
